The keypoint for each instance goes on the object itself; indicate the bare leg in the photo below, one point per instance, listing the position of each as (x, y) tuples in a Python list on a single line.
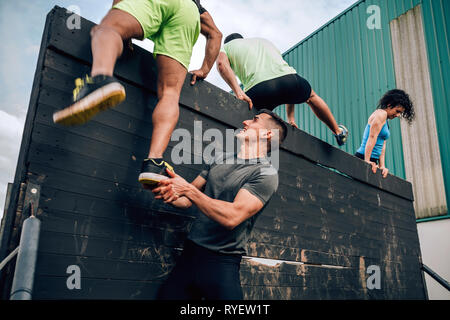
[(107, 40), (171, 75), (321, 110)]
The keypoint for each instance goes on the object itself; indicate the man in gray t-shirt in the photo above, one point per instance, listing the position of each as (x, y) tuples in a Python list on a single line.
[(223, 182), (230, 193)]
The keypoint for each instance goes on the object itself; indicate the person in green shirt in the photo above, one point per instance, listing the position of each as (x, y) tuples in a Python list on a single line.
[(174, 27), (268, 81)]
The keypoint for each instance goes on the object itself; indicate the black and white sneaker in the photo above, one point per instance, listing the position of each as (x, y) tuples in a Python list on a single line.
[(153, 172), (90, 96), (341, 138)]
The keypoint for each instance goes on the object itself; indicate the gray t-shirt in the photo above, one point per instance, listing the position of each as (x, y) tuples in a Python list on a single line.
[(223, 182)]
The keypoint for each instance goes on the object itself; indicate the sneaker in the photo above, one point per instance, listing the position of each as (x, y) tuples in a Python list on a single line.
[(91, 96), (341, 138), (153, 172)]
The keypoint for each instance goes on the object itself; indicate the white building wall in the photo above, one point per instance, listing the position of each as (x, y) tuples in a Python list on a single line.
[(434, 237), (423, 165)]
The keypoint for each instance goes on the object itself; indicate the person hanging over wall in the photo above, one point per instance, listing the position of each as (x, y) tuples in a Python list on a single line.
[(173, 26), (395, 103), (236, 188), (269, 81)]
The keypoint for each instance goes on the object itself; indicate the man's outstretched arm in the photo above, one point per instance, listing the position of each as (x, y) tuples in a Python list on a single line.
[(213, 41), (228, 214), (180, 202)]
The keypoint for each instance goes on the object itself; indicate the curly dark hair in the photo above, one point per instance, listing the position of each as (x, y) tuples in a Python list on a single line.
[(396, 97)]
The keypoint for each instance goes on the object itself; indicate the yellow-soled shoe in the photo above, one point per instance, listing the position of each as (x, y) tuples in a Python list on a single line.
[(90, 96), (153, 171)]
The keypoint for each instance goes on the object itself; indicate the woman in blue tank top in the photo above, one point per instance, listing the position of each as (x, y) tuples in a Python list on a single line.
[(393, 104)]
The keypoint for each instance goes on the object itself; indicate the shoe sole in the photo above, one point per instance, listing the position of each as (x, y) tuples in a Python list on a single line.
[(151, 178), (344, 140), (101, 99), (341, 142)]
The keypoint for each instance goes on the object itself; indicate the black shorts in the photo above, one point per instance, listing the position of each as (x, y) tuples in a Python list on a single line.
[(361, 156), (203, 274), (290, 88)]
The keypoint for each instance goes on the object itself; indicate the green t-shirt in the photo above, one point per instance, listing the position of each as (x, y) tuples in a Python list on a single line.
[(225, 176), (255, 60)]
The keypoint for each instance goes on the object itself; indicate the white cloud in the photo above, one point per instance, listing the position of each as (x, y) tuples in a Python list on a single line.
[(11, 129), (32, 50)]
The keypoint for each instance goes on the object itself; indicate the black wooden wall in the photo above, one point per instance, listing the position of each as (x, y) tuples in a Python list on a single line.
[(327, 226)]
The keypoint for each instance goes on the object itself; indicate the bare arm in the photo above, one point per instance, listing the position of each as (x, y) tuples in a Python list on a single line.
[(382, 155), (224, 68), (376, 124), (213, 41), (227, 73), (228, 214), (182, 202), (384, 170), (375, 127)]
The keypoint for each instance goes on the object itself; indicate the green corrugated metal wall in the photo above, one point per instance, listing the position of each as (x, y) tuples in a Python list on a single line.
[(351, 66), (436, 15)]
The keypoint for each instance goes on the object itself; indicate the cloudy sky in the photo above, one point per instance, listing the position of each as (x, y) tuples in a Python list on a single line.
[(285, 23)]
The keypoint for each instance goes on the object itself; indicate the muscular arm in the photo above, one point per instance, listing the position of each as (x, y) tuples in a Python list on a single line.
[(213, 41), (384, 170), (228, 214), (383, 155), (182, 202), (375, 128), (224, 68)]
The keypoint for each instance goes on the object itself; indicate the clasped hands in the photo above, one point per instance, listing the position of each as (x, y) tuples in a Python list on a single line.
[(170, 190)]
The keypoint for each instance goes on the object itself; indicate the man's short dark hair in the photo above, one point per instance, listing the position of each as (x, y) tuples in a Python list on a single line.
[(277, 122), (232, 37)]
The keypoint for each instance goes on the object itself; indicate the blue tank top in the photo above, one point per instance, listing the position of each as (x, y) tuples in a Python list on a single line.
[(382, 136)]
